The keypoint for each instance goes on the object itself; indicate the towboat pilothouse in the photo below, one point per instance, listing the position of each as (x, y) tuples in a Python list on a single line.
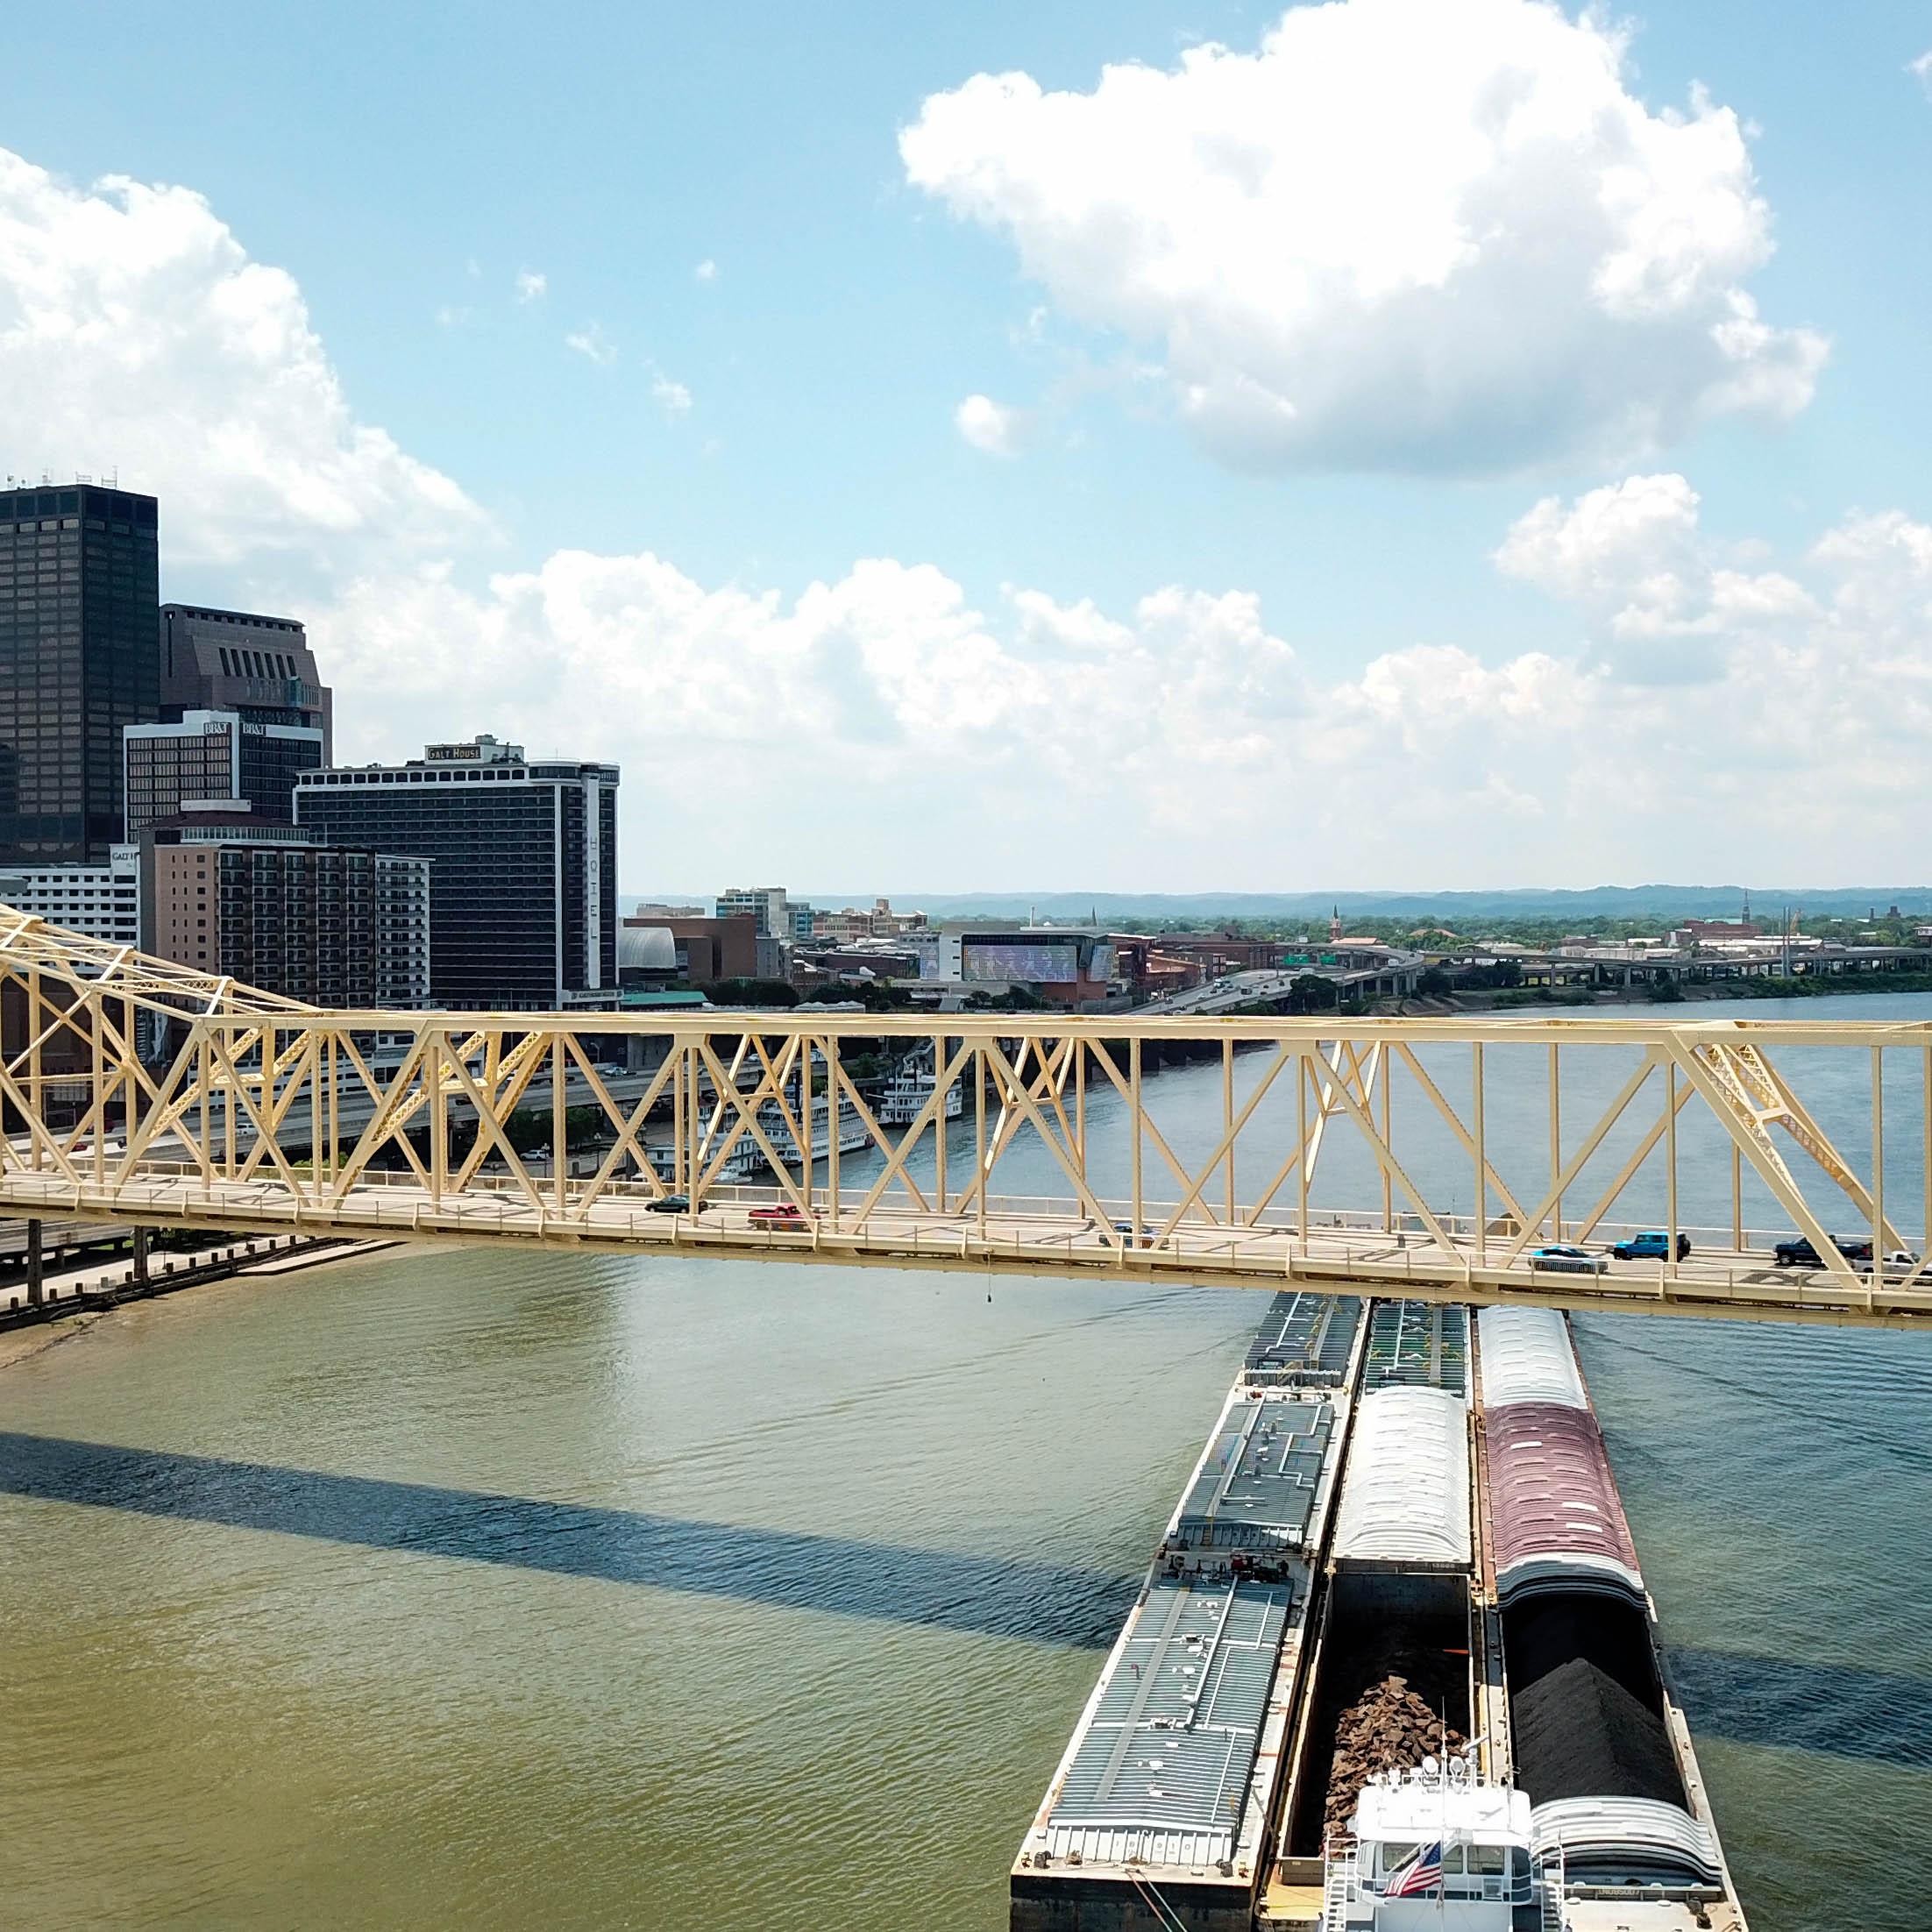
[(1436, 1846)]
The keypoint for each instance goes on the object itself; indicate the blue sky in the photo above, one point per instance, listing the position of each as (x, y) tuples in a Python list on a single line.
[(758, 426)]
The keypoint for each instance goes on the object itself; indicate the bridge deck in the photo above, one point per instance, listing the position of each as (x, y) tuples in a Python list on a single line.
[(134, 1090), (1032, 1240)]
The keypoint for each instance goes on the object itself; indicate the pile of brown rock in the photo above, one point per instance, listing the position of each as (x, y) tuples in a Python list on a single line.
[(1389, 1726)]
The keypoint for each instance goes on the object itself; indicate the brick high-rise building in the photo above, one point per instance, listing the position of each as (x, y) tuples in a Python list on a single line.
[(339, 926)]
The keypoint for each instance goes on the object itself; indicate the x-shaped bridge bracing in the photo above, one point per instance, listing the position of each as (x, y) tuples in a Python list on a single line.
[(1040, 1144)]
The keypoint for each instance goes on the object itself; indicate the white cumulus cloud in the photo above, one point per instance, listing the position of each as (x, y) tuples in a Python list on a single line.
[(1175, 740), (1630, 551), (883, 701), (1633, 556), (994, 427), (136, 334), (531, 285), (1420, 234), (671, 397), (1922, 69)]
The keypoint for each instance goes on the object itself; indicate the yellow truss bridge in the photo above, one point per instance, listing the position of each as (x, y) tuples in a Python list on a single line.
[(1440, 1158)]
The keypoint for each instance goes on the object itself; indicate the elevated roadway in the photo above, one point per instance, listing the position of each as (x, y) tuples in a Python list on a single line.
[(1268, 982), (135, 1090), (1023, 1239)]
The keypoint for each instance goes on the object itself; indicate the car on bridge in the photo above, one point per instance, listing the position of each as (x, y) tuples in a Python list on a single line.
[(668, 1204), (1653, 1244), (1802, 1253), (1566, 1260)]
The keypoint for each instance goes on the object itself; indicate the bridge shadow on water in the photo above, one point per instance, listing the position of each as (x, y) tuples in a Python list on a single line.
[(1834, 1709), (986, 1596)]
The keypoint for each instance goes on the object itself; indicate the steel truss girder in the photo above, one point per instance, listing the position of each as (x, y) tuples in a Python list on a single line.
[(135, 1087)]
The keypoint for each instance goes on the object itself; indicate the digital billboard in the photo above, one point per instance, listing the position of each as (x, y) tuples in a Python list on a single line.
[(1031, 962)]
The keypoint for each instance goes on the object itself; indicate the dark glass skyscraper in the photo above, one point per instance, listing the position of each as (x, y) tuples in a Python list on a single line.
[(524, 894), (80, 615)]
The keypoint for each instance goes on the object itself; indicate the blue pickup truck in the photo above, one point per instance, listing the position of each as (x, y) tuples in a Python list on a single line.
[(1653, 1244)]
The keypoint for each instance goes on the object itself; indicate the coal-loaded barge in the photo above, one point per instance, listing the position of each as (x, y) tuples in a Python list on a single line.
[(1394, 1665)]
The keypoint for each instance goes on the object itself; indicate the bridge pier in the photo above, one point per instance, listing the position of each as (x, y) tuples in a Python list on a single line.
[(34, 1270), (140, 1257)]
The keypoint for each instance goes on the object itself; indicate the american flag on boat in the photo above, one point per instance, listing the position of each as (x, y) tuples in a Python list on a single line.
[(1422, 1873)]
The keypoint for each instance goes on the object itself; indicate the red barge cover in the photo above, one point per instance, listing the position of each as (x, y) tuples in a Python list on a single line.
[(1557, 1519)]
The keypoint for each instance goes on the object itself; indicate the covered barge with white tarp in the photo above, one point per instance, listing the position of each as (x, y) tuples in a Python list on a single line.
[(1405, 1507), (1393, 1682)]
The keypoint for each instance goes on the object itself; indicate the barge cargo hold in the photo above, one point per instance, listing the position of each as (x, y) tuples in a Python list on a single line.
[(1393, 1665), (1620, 1811), (1583, 1808)]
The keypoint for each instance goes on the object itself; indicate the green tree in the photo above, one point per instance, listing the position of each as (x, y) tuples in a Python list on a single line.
[(1311, 993)]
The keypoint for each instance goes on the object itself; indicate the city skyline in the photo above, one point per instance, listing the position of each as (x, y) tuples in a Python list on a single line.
[(858, 471)]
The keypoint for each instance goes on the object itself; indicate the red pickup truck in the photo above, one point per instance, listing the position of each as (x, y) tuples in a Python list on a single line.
[(785, 1217)]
